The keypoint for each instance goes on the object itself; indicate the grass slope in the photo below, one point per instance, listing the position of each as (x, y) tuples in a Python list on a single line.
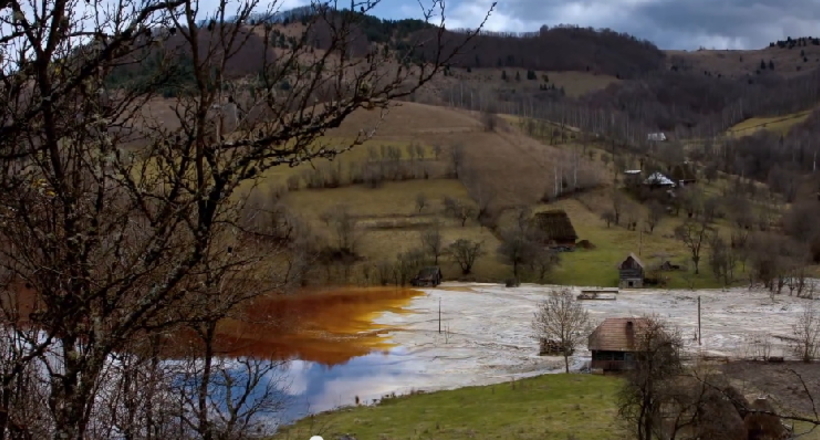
[(511, 168), (548, 407), (575, 84), (741, 63), (776, 124), (598, 267), (390, 224)]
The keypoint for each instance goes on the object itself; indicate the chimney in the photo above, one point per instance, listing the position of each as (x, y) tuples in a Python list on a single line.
[(630, 333)]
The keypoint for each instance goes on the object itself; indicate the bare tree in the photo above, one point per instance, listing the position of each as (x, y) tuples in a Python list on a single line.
[(657, 365), (543, 262), (655, 213), (806, 332), (562, 319), (618, 205), (344, 227), (739, 210), (631, 215), (722, 259), (421, 202), (517, 249), (465, 253), (711, 209), (408, 264), (691, 200), (432, 240), (460, 209), (693, 234), (119, 206), (456, 155), (608, 217), (385, 272), (437, 150)]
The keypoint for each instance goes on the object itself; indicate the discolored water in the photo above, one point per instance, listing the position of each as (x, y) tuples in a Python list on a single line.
[(337, 351), (327, 327)]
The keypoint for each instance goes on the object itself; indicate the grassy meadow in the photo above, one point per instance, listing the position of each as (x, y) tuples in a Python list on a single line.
[(597, 267), (775, 124), (549, 407)]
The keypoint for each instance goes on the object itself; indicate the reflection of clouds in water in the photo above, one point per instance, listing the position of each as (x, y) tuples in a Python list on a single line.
[(316, 387), (296, 373)]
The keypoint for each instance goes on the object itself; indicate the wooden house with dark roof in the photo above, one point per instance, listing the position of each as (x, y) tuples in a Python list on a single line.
[(555, 228), (631, 272), (428, 276), (614, 342)]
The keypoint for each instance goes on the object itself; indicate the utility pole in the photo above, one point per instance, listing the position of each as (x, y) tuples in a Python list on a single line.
[(699, 341)]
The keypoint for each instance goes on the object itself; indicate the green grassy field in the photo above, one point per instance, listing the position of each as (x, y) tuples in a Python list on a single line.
[(776, 124), (556, 406), (598, 267)]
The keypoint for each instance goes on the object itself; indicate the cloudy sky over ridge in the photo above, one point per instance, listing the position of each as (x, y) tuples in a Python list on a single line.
[(671, 24)]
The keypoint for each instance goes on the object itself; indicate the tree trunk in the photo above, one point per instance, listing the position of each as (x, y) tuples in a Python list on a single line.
[(204, 426), (566, 362), (67, 399)]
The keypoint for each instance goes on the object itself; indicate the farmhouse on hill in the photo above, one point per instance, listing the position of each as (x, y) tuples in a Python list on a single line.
[(613, 343), (631, 272), (656, 137), (556, 228), (659, 180)]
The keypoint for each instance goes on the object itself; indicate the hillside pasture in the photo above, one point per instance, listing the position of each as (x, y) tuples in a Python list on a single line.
[(775, 124), (741, 63), (574, 83), (388, 222)]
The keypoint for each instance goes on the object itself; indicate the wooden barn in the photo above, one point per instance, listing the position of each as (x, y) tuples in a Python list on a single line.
[(613, 343), (428, 276), (631, 272), (556, 228)]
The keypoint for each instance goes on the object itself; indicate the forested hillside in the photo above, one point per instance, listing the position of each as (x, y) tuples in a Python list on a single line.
[(655, 93)]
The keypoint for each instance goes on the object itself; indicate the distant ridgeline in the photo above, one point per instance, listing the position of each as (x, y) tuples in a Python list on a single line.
[(790, 42), (561, 48)]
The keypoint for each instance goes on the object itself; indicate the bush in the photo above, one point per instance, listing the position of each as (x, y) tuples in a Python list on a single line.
[(512, 282)]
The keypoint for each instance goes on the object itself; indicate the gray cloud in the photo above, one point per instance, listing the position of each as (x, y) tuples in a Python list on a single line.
[(671, 24)]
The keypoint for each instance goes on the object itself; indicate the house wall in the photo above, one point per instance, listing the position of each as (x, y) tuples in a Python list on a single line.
[(612, 360), (629, 283)]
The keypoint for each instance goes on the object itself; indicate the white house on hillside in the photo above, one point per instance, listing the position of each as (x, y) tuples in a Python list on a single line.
[(656, 137)]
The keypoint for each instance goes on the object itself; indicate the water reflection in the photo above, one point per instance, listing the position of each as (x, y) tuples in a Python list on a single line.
[(315, 387), (337, 352)]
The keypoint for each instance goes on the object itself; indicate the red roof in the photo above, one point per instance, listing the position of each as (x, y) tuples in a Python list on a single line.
[(614, 334)]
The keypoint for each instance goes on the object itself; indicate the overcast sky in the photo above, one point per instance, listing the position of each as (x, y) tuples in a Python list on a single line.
[(670, 24)]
